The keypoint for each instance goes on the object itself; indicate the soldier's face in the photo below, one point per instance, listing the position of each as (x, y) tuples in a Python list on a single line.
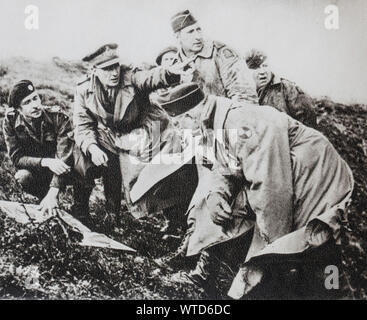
[(31, 106), (109, 76), (168, 58), (262, 75), (191, 39)]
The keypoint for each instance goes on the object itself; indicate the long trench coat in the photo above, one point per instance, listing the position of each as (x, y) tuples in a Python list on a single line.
[(291, 174)]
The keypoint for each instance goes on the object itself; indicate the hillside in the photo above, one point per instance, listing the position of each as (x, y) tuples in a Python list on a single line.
[(55, 79), (66, 271)]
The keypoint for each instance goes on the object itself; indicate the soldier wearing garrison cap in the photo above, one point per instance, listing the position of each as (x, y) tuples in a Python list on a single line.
[(280, 93), (40, 145), (215, 67), (109, 102)]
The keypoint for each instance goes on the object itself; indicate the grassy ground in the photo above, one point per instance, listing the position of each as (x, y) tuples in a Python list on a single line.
[(45, 262)]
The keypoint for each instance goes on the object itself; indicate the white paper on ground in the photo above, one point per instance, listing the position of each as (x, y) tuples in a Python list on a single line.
[(23, 212)]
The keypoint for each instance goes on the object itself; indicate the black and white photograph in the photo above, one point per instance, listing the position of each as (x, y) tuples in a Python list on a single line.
[(181, 150)]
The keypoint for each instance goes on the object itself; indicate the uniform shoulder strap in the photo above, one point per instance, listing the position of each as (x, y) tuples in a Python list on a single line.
[(10, 113), (83, 79), (218, 44)]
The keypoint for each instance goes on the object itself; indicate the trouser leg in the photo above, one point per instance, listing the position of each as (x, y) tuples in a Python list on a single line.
[(175, 219), (36, 183), (81, 194), (112, 183), (111, 176)]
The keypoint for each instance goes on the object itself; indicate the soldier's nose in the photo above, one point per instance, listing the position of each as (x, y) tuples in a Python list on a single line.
[(197, 36)]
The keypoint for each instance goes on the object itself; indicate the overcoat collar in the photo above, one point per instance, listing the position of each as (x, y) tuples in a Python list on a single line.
[(124, 97)]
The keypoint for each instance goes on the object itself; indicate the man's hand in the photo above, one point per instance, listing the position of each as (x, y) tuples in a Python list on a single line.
[(50, 203), (99, 158), (220, 210), (57, 166), (317, 233)]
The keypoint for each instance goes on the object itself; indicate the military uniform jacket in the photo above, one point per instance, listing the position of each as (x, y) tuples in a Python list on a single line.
[(94, 125), (287, 97), (221, 72), (26, 149)]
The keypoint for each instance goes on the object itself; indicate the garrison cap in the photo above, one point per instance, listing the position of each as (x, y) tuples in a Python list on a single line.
[(20, 90), (180, 99), (255, 58), (104, 57), (182, 20), (163, 52)]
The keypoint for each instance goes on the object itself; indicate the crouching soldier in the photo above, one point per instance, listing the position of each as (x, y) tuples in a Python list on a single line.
[(40, 145), (110, 102), (297, 188), (280, 93)]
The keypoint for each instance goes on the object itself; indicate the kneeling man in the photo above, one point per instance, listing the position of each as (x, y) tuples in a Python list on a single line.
[(297, 187), (40, 145), (112, 100)]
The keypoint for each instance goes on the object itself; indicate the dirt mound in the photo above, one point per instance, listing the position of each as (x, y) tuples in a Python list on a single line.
[(56, 85), (345, 126), (74, 67)]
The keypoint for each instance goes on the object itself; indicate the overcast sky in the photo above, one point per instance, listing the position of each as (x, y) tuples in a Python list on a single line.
[(291, 32)]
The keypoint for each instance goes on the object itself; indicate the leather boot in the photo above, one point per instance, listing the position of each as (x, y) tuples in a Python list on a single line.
[(204, 275), (80, 208), (178, 258)]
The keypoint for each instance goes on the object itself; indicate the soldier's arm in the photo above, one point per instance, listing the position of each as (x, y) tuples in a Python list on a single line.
[(263, 157), (235, 76), (64, 148), (300, 104), (148, 81), (85, 125), (15, 151)]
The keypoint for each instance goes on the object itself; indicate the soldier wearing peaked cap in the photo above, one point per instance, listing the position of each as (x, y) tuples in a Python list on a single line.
[(215, 67), (39, 143), (280, 93), (110, 102)]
